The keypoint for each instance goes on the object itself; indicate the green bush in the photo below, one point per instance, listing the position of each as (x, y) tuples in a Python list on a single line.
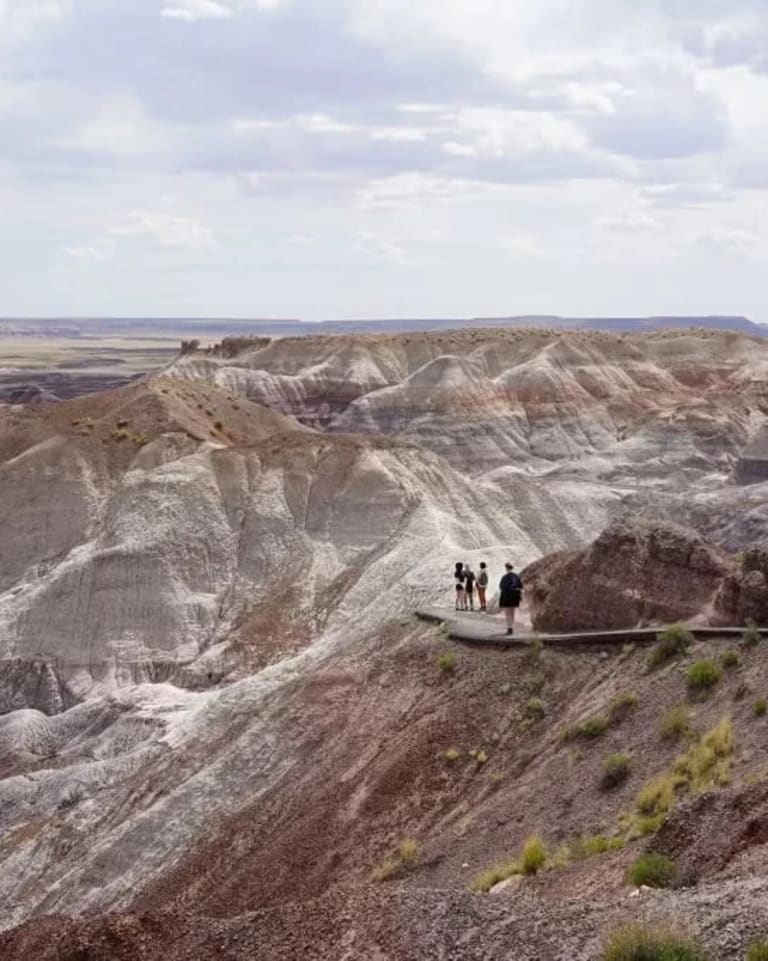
[(615, 771), (676, 722), (670, 644), (592, 728), (703, 675), (730, 658), (637, 943), (592, 845), (451, 755), (447, 662), (534, 855), (757, 950), (751, 635), (653, 870), (760, 707)]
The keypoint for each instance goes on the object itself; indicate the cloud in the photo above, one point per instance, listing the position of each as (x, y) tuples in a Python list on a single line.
[(192, 10), (165, 230)]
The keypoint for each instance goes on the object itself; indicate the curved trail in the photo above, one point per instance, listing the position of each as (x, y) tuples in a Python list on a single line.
[(488, 629)]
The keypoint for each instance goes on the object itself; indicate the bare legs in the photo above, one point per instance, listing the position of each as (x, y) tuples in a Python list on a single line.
[(461, 600), (481, 598), (509, 614)]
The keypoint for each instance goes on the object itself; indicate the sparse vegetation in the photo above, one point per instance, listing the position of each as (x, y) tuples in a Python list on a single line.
[(707, 764), (622, 706), (637, 943), (119, 434), (495, 875), (447, 662), (653, 870), (616, 770), (751, 635), (592, 728), (533, 856), (757, 950), (534, 707), (730, 658), (407, 856), (658, 795), (591, 846), (451, 755), (676, 722), (479, 756), (760, 707), (702, 675), (670, 644)]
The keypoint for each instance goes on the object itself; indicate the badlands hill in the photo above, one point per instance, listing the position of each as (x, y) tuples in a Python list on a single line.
[(217, 715)]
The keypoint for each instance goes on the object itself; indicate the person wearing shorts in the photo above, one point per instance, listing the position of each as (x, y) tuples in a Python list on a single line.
[(482, 587), (510, 595), (461, 594)]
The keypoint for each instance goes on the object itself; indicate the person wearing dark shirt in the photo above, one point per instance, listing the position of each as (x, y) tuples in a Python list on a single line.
[(461, 594), (510, 595)]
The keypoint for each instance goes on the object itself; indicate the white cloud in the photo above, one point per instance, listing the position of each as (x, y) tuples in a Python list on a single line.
[(380, 246), (197, 10), (521, 244), (97, 252), (192, 10), (165, 230), (631, 220), (301, 240), (414, 191)]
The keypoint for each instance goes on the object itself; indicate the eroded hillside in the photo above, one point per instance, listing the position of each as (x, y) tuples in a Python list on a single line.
[(213, 698)]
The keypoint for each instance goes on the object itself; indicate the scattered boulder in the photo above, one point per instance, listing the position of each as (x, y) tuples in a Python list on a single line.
[(635, 573)]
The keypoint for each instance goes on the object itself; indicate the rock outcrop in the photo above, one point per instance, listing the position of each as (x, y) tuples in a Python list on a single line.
[(636, 573)]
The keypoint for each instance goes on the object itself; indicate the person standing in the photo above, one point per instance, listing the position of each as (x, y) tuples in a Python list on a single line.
[(511, 593), (461, 594), (469, 586), (482, 586)]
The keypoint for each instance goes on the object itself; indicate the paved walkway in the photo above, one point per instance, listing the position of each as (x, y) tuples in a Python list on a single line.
[(490, 629)]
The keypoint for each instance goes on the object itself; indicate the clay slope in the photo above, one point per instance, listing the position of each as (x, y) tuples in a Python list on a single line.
[(656, 407)]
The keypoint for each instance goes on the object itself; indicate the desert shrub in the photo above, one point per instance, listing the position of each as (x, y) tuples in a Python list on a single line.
[(707, 763), (219, 425), (615, 771), (760, 707), (386, 870), (653, 870), (657, 796), (479, 756), (592, 728), (757, 950), (407, 856), (703, 675), (637, 943), (451, 755), (730, 658), (670, 644), (495, 875), (676, 722), (533, 856), (409, 852), (534, 707), (590, 846), (447, 662), (119, 435), (751, 635), (621, 706)]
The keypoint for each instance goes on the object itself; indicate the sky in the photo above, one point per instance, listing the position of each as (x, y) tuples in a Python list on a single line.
[(383, 158)]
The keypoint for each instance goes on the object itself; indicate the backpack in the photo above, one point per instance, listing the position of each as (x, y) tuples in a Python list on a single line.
[(482, 579)]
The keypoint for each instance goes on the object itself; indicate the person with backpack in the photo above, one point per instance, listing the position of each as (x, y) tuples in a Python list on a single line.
[(469, 586), (461, 594), (482, 586), (511, 593)]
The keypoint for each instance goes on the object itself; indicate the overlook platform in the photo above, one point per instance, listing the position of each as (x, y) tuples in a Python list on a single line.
[(489, 629)]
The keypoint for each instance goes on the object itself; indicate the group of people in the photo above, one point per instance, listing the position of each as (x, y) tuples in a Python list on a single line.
[(467, 582)]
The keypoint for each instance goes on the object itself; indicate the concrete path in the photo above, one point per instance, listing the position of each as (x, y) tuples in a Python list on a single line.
[(490, 629)]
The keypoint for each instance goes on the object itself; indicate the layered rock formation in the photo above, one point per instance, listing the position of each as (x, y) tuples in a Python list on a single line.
[(211, 691), (635, 573)]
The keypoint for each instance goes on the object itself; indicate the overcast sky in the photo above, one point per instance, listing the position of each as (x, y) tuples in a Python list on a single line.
[(361, 158)]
